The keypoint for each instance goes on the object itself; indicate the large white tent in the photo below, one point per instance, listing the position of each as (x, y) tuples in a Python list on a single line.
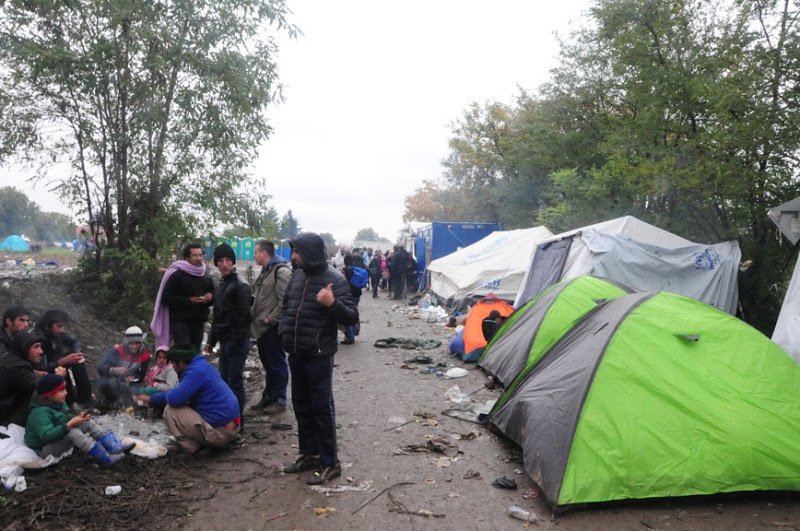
[(787, 329), (640, 256), (496, 264)]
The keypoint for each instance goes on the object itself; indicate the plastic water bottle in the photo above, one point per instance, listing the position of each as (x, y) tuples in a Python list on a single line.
[(425, 303), (515, 511)]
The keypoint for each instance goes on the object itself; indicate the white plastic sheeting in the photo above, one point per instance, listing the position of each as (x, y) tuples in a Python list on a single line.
[(787, 329), (496, 264), (646, 258)]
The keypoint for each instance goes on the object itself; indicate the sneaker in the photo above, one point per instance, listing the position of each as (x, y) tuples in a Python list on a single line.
[(324, 474), (348, 341), (303, 463), (275, 408), (260, 406)]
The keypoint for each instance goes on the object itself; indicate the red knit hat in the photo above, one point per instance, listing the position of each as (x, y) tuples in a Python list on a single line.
[(49, 385)]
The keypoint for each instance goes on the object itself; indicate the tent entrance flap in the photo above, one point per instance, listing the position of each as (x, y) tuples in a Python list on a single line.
[(548, 264)]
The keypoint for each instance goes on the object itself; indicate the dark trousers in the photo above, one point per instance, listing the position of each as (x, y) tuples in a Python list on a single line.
[(398, 285), (187, 333), (232, 355), (113, 390), (376, 282), (273, 359), (79, 387), (312, 399)]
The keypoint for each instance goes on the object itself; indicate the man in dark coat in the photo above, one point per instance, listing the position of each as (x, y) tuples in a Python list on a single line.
[(17, 378), (231, 325), (399, 272), (15, 320), (317, 300), (62, 350), (183, 299)]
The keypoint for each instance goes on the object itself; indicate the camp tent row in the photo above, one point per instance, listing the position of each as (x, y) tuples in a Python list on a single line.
[(614, 395), (518, 265)]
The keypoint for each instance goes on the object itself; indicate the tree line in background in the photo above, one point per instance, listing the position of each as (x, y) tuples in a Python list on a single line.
[(683, 113), (156, 107), (19, 215)]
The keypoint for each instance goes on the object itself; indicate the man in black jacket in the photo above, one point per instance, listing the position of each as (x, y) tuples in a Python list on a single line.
[(17, 378), (63, 350), (317, 300), (187, 293), (15, 320), (231, 325)]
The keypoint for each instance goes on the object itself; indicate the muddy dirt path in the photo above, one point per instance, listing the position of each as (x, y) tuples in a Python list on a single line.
[(373, 394)]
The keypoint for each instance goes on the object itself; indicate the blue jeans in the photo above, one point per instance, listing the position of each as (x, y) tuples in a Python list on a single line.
[(352, 331), (232, 355), (273, 359), (312, 400)]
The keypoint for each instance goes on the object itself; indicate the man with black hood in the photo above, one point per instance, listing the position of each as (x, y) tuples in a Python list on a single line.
[(17, 378), (317, 300), (62, 350)]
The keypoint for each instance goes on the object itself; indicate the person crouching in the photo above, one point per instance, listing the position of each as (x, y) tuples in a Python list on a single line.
[(201, 411), (53, 430)]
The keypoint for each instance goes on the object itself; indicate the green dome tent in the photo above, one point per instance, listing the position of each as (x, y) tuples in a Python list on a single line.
[(15, 243), (657, 395), (537, 325)]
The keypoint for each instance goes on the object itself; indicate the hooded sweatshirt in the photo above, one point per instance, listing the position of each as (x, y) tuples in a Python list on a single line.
[(308, 328), (17, 381)]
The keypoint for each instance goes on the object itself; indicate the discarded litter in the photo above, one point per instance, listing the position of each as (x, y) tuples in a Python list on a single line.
[(472, 474), (364, 486), (281, 427), (521, 514), (504, 483), (456, 372), (113, 490), (425, 360), (455, 395), (324, 512)]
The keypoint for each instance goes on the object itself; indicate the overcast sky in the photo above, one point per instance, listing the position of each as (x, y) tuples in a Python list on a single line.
[(371, 90)]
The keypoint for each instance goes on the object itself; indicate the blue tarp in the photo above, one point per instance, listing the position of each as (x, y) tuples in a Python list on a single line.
[(15, 243)]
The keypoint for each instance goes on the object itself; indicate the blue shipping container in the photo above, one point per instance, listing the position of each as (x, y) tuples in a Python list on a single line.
[(442, 238)]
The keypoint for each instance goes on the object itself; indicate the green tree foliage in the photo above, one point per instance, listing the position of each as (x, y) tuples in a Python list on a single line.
[(20, 215), (289, 226), (369, 234), (681, 112), (17, 212), (158, 106), (330, 242)]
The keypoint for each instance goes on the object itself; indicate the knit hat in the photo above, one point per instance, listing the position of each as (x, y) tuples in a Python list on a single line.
[(224, 250), (49, 385), (133, 333), (181, 353), (162, 348)]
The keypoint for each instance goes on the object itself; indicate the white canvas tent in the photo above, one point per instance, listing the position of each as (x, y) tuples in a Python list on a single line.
[(640, 256), (787, 329), (496, 264)]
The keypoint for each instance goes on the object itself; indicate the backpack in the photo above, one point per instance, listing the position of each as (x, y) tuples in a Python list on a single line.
[(359, 278)]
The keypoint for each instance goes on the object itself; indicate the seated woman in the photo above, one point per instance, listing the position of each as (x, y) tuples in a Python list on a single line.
[(160, 377)]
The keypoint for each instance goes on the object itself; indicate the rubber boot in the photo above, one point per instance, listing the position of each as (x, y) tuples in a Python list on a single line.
[(98, 451), (114, 445)]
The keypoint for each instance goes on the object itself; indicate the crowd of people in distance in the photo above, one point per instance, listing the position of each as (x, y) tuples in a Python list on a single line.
[(292, 309)]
